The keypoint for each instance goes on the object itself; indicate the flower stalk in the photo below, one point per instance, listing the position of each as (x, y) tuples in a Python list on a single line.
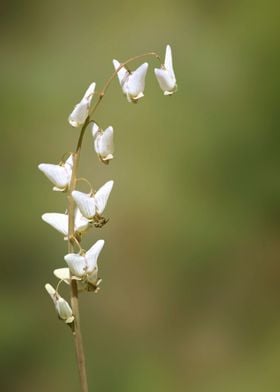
[(85, 210)]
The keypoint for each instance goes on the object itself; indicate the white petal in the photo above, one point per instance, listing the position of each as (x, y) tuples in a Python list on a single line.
[(104, 144), (76, 263), (136, 82), (62, 274), (85, 203), (92, 255), (57, 221), (81, 223), (94, 129), (64, 310), (168, 63), (79, 114), (90, 91), (81, 110), (122, 73), (50, 290), (57, 174), (166, 82), (102, 195)]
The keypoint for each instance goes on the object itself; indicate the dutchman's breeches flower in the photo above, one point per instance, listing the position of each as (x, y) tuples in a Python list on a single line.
[(165, 75), (93, 205), (62, 307), (84, 266), (59, 175), (132, 83), (103, 142), (82, 109)]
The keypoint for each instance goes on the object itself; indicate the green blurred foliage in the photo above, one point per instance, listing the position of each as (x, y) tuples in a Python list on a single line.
[(190, 292)]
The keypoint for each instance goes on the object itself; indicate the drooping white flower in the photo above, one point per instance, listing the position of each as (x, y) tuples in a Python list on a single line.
[(92, 205), (84, 266), (165, 75), (81, 110), (132, 83), (62, 307), (103, 142), (60, 222), (59, 175)]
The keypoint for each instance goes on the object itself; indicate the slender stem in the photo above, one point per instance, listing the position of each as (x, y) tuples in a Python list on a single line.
[(71, 229)]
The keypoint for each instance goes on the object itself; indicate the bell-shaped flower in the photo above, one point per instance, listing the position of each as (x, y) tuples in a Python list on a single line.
[(103, 142), (82, 109), (60, 222), (132, 83), (165, 75), (62, 307), (84, 266), (59, 175), (93, 205)]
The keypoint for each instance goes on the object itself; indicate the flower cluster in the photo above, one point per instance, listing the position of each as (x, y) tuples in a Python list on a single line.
[(89, 207)]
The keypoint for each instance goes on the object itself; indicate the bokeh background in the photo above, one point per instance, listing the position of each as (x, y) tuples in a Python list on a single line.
[(190, 294)]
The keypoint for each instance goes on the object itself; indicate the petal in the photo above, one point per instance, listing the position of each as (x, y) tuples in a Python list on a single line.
[(64, 310), (102, 195), (79, 114), (94, 130), (85, 203), (57, 174), (92, 255), (166, 82), (122, 73), (89, 93), (81, 110), (62, 274), (81, 223), (104, 143), (57, 221), (168, 63), (76, 263), (51, 291), (136, 82)]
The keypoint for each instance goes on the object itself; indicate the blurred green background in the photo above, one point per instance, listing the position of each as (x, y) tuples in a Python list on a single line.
[(190, 294)]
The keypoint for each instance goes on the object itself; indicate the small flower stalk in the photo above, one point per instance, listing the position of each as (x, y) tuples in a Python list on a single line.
[(85, 211)]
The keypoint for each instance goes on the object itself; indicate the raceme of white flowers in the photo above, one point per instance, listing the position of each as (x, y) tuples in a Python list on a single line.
[(89, 207)]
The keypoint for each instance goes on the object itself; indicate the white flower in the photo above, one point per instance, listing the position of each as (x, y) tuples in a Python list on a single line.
[(60, 222), (165, 75), (85, 266), (103, 142), (92, 205), (59, 175), (62, 307), (64, 274), (81, 110), (132, 83)]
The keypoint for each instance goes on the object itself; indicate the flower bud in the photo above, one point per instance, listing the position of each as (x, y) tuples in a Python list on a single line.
[(62, 307), (81, 110)]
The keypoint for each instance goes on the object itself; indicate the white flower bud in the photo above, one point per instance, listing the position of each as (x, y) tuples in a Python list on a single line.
[(103, 143), (132, 83), (62, 307), (165, 75), (59, 175), (81, 110)]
